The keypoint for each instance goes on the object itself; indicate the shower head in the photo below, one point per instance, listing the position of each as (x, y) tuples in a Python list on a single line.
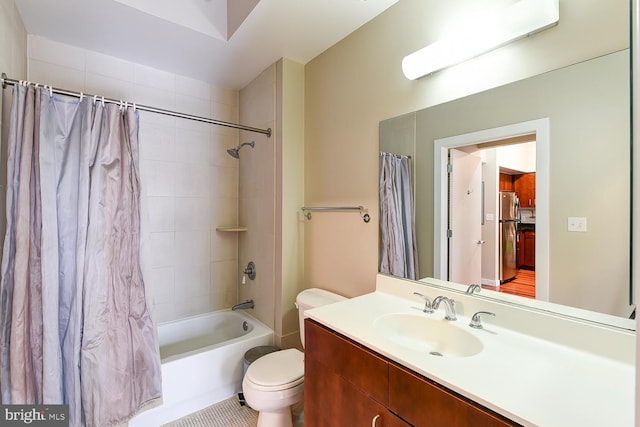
[(235, 151)]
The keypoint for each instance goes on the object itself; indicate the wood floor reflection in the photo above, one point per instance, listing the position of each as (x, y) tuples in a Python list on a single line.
[(523, 285)]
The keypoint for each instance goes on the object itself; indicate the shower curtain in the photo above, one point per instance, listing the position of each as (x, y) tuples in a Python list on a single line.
[(399, 250), (74, 325)]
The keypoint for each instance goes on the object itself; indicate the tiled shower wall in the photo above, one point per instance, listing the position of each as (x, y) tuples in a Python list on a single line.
[(190, 183)]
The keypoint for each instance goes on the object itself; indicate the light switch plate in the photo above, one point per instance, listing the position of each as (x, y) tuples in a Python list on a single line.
[(575, 223)]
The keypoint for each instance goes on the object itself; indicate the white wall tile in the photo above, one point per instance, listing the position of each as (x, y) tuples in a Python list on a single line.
[(193, 105), (224, 246), (109, 87), (192, 146), (223, 292), (224, 181), (192, 281), (192, 87), (157, 141), (225, 96), (65, 55), (158, 178), (162, 213), (150, 118), (56, 75), (109, 66), (192, 247), (157, 79), (191, 307), (153, 97), (224, 211), (163, 249), (224, 112), (192, 213), (162, 281), (192, 180)]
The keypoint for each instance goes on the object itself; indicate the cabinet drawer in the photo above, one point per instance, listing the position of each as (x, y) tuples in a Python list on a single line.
[(425, 403), (365, 370)]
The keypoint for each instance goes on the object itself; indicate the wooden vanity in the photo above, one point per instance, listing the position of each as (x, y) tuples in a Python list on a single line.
[(378, 360), (347, 384)]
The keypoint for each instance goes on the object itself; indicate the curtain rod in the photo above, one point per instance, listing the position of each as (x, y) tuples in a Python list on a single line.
[(8, 81)]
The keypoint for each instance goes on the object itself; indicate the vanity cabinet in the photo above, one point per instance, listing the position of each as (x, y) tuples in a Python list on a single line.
[(346, 384)]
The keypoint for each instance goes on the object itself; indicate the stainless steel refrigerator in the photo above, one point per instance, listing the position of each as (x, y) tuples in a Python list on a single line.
[(508, 221)]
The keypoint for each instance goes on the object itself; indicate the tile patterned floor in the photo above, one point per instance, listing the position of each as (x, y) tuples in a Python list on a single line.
[(228, 413)]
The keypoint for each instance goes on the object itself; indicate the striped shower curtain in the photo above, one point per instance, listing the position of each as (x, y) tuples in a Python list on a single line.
[(74, 326), (399, 250)]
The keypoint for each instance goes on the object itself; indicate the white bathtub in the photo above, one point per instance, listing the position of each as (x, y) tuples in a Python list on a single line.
[(202, 362)]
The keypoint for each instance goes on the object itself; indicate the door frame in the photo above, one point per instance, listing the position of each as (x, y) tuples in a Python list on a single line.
[(541, 127)]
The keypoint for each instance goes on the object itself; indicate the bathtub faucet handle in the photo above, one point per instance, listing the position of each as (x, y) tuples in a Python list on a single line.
[(249, 271)]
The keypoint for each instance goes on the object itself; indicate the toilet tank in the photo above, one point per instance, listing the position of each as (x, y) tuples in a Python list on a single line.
[(312, 298)]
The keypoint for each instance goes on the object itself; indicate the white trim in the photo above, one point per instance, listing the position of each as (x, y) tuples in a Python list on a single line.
[(541, 127)]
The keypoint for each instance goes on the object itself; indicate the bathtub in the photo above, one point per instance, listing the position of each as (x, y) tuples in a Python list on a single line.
[(202, 362)]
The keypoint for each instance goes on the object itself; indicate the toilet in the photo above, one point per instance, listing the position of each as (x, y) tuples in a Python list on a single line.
[(275, 382)]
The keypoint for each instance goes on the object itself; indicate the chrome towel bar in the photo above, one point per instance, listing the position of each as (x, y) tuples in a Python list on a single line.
[(306, 210)]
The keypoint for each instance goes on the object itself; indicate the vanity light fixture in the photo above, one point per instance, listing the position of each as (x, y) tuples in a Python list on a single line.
[(519, 20)]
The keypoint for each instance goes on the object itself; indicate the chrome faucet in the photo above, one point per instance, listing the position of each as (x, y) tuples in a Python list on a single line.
[(243, 305), (450, 312), (427, 302), (475, 319), (472, 288)]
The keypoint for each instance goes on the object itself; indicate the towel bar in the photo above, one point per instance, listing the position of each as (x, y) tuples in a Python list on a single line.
[(306, 210)]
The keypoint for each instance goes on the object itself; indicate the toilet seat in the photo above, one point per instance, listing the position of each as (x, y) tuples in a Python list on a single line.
[(275, 371)]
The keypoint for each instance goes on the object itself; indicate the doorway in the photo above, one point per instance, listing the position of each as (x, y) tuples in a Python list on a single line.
[(506, 135)]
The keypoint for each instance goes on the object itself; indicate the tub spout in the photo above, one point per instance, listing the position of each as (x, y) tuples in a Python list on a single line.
[(243, 305)]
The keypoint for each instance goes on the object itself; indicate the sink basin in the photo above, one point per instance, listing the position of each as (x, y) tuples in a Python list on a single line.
[(434, 336)]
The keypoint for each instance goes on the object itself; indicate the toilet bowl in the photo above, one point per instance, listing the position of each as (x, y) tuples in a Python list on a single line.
[(275, 382)]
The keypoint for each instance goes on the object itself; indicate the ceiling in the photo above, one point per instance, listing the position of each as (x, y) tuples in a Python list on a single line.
[(223, 42)]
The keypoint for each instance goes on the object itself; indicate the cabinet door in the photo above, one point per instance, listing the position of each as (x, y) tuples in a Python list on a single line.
[(525, 186), (506, 182), (424, 403), (344, 383), (330, 400), (530, 249), (365, 369)]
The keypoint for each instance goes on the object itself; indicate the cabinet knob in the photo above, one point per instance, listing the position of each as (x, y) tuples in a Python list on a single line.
[(375, 420)]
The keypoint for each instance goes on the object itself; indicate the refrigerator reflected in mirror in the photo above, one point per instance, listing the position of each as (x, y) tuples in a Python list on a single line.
[(508, 221)]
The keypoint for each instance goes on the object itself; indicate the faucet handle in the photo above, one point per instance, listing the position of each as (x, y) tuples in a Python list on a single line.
[(475, 319), (472, 288), (427, 302)]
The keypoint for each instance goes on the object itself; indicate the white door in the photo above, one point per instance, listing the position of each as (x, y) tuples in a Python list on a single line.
[(465, 222)]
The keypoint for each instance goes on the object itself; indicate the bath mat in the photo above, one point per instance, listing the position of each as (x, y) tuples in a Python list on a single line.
[(227, 413)]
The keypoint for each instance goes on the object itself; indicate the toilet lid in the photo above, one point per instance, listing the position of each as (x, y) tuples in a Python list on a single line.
[(277, 369)]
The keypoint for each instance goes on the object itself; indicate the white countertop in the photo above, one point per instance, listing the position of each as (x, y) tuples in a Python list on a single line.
[(532, 381)]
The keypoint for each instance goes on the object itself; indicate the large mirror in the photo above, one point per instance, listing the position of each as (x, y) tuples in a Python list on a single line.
[(560, 143)]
